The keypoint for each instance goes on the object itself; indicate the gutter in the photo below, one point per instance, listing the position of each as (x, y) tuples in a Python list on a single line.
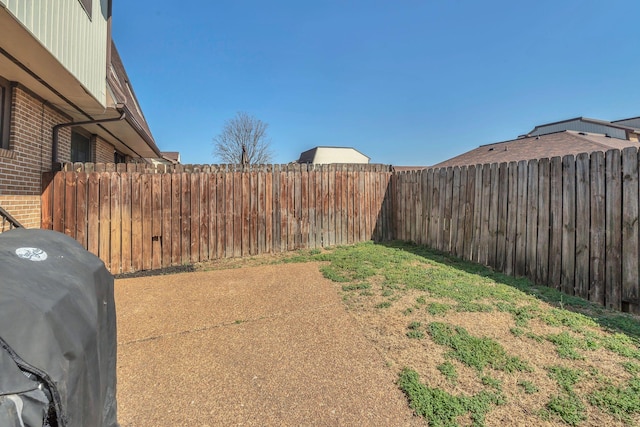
[(55, 164)]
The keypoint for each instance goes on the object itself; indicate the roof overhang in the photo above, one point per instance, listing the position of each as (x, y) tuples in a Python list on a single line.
[(23, 59)]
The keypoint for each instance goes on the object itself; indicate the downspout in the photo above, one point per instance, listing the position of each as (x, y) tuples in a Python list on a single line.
[(55, 164)]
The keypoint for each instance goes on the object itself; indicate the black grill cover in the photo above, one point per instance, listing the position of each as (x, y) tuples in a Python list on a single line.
[(58, 325)]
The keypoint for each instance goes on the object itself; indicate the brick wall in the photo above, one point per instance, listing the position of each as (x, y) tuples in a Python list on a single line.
[(29, 155), (25, 209), (103, 151)]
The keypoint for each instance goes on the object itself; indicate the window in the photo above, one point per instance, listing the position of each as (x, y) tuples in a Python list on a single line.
[(119, 157), (80, 147), (5, 112), (87, 5)]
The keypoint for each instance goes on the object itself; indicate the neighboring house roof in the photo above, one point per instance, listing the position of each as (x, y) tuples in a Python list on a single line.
[(166, 158), (537, 147), (633, 122), (620, 129), (172, 156), (328, 155)]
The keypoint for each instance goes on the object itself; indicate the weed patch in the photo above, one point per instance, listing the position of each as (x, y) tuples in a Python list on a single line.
[(356, 286), (440, 408), (414, 331), (475, 352), (528, 386), (565, 377), (438, 309), (449, 371), (568, 407), (619, 401), (567, 345)]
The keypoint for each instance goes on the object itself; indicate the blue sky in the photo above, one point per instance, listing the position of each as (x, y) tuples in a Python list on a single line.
[(406, 82)]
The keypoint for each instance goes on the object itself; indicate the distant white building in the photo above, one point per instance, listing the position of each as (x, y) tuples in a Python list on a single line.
[(328, 155)]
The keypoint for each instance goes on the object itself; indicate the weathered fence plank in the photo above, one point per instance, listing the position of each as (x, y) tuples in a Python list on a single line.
[(176, 221), (70, 205), (81, 209), (185, 218), (136, 221), (555, 223), (93, 212), (205, 191), (469, 209), (567, 278), (583, 224), (532, 219), (630, 228), (147, 219), (512, 218), (597, 229), (165, 235), (156, 222), (492, 225), (105, 220), (542, 248), (448, 196), (125, 206), (613, 262), (501, 233), (462, 209), (116, 225), (455, 211), (521, 220)]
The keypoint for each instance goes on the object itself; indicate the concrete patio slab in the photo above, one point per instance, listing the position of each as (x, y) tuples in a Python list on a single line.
[(259, 346)]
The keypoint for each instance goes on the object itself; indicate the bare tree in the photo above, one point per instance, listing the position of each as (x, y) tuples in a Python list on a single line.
[(243, 140)]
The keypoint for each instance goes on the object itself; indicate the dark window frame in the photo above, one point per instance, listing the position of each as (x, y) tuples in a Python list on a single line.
[(87, 137), (6, 93), (118, 157), (87, 5)]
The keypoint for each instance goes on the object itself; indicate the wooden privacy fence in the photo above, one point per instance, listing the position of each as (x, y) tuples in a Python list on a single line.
[(570, 223), (135, 218)]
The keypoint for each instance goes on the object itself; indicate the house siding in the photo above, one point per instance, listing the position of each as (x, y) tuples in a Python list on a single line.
[(580, 126), (65, 30), (29, 155)]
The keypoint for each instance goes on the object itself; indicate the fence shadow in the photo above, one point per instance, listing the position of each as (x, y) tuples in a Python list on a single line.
[(610, 319)]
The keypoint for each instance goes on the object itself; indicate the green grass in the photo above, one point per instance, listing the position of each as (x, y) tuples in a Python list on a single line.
[(381, 277)]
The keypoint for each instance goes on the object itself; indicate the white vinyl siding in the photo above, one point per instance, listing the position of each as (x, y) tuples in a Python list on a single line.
[(76, 41)]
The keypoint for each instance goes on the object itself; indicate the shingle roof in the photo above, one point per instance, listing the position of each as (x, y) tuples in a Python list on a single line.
[(549, 145)]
